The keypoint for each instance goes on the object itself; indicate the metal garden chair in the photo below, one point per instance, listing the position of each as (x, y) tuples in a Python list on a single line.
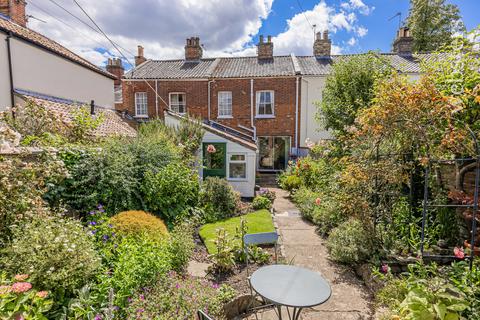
[(255, 239), (203, 316)]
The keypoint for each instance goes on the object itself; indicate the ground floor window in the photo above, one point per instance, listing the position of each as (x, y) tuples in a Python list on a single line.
[(214, 159), (237, 166), (178, 102), (273, 152)]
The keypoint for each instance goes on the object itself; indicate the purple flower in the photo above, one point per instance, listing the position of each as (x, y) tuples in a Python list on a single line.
[(98, 317), (142, 297), (110, 225), (93, 223), (92, 213), (94, 231), (129, 300), (105, 237), (215, 286), (384, 268)]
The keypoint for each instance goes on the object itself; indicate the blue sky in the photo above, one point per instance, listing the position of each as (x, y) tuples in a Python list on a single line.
[(380, 30), (225, 27)]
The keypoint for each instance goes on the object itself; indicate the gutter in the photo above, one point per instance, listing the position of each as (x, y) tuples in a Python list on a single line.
[(156, 98), (296, 113), (252, 106), (209, 98), (10, 71)]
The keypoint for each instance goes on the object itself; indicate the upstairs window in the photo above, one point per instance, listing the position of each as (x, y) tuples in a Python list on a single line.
[(141, 109), (265, 104), (225, 104), (118, 93), (178, 102)]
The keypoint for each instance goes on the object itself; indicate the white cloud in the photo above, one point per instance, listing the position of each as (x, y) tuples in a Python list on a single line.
[(225, 27), (352, 41), (357, 5)]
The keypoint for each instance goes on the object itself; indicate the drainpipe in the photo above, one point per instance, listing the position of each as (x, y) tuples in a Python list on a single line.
[(252, 107), (156, 98), (209, 98), (10, 70), (296, 114)]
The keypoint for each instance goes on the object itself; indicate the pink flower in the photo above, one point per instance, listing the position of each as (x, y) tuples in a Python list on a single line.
[(318, 201), (459, 253), (211, 148), (42, 294), (21, 277), (20, 287), (384, 268), (5, 289)]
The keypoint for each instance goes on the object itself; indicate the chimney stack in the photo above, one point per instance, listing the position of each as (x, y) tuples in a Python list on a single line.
[(140, 58), (403, 44), (322, 47), (15, 10), (265, 49), (193, 49), (115, 67)]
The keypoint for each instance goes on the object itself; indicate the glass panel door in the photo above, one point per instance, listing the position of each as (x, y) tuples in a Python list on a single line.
[(281, 148), (265, 153), (214, 160), (273, 153)]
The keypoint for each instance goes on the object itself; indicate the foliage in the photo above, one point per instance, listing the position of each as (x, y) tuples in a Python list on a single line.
[(269, 194), (103, 234), (23, 185), (260, 202), (176, 297), (349, 243), (139, 260), (256, 222), (218, 198), (83, 124), (18, 300), (433, 24), (135, 223), (350, 88), (171, 190), (56, 252), (289, 182), (223, 257), (181, 245)]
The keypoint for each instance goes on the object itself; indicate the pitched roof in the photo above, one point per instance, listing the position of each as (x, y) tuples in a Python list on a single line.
[(237, 139), (113, 124), (278, 66), (242, 67), (172, 69), (39, 40)]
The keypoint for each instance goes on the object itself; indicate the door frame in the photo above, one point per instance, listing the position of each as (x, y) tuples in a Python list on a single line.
[(273, 155), (222, 173)]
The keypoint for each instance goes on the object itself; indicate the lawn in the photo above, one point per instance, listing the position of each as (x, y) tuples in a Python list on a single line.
[(258, 221)]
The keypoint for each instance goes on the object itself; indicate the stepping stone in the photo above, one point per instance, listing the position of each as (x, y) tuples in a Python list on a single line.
[(198, 269)]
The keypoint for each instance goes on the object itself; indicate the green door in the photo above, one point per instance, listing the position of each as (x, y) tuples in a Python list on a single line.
[(214, 163)]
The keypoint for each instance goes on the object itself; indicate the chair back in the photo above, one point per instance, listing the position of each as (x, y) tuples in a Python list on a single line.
[(260, 238), (203, 316)]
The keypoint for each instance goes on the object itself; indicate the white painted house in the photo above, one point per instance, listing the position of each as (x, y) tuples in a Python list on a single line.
[(233, 157), (32, 64)]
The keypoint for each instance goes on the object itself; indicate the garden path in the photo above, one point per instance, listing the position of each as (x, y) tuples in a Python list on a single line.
[(350, 298)]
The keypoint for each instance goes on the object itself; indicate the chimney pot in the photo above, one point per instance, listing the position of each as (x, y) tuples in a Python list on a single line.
[(403, 44), (265, 49), (140, 58), (322, 46), (15, 10), (193, 50), (269, 39)]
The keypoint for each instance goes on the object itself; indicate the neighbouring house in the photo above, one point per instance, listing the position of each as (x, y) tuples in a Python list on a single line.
[(267, 99), (225, 155), (37, 68)]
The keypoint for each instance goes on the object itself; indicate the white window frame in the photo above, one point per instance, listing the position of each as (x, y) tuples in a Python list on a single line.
[(137, 106), (118, 94), (272, 95), (229, 161), (219, 104), (184, 102)]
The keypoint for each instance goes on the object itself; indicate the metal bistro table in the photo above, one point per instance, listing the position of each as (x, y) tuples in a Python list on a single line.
[(290, 286)]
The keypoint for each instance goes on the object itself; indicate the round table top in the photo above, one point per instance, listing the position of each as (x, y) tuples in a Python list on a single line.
[(290, 286)]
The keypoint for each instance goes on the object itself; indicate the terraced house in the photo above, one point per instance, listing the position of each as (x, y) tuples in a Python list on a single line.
[(266, 99)]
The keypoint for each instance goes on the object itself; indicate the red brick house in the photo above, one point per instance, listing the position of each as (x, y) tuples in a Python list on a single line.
[(254, 97)]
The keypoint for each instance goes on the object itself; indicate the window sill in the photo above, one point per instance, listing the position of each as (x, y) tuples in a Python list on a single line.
[(264, 117), (140, 116), (225, 117), (237, 179)]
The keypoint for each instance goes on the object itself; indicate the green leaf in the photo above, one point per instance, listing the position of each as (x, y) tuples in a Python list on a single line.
[(441, 310)]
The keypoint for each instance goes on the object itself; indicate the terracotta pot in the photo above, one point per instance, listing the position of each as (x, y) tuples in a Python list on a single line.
[(476, 250)]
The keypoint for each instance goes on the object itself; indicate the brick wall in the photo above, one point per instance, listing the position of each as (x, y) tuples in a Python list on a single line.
[(197, 101), (15, 9)]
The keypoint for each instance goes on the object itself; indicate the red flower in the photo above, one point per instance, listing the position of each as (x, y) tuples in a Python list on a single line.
[(318, 201), (211, 148), (21, 287), (459, 253)]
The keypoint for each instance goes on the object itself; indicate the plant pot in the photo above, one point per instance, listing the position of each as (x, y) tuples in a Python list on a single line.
[(476, 250)]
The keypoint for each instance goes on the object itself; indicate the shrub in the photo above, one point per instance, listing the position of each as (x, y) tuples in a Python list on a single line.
[(271, 195), (139, 260), (170, 191), (349, 243), (56, 252), (176, 297), (18, 300), (327, 214), (181, 245), (218, 198), (135, 223), (260, 202), (290, 183), (305, 200)]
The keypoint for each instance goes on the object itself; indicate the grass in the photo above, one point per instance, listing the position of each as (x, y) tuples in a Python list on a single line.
[(258, 221)]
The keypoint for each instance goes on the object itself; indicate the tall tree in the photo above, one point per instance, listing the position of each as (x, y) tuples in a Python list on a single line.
[(433, 24)]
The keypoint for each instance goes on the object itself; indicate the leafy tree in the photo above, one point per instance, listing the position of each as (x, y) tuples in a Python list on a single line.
[(433, 24), (349, 88)]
